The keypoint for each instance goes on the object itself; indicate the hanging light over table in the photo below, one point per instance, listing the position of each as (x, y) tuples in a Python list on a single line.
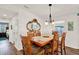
[(50, 17)]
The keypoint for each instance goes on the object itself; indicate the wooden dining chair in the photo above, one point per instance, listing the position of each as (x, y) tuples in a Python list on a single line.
[(29, 48), (38, 34), (30, 34), (62, 44), (53, 48), (54, 44), (34, 33)]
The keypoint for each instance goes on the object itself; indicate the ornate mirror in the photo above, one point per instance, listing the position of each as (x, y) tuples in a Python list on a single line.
[(33, 25)]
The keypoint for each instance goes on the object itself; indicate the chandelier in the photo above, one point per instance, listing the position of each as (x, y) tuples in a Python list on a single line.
[(50, 16)]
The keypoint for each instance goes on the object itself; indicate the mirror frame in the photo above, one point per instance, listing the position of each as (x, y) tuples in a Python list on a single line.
[(30, 22)]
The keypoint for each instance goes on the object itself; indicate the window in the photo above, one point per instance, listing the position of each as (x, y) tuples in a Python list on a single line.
[(3, 27), (60, 29)]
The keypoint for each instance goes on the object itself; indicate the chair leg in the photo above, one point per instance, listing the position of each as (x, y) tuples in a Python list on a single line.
[(61, 51), (45, 51), (57, 52), (64, 50), (23, 52), (52, 52)]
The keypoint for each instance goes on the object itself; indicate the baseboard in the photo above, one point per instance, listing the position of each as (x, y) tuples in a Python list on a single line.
[(72, 48)]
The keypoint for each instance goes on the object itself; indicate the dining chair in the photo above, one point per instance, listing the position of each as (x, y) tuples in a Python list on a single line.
[(34, 33), (30, 34), (54, 43), (62, 43), (29, 48), (53, 47), (38, 34)]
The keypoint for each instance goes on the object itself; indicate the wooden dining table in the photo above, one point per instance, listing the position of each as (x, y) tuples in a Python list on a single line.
[(42, 40)]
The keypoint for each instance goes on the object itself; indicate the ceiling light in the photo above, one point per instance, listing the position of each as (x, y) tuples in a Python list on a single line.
[(4, 15), (50, 16), (46, 23), (53, 23)]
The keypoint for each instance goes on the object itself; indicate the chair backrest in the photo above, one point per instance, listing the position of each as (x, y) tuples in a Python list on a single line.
[(54, 44), (34, 33), (38, 33), (30, 34), (63, 39), (27, 46)]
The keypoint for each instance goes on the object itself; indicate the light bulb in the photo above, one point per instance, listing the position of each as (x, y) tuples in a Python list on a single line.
[(53, 23), (46, 23)]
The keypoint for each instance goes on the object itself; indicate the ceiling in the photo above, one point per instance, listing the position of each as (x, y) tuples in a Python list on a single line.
[(8, 11), (6, 14), (41, 10), (57, 9)]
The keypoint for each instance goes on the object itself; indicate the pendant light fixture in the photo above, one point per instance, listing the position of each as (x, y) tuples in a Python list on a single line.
[(50, 16)]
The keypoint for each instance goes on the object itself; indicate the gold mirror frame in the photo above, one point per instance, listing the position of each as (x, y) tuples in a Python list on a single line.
[(30, 22)]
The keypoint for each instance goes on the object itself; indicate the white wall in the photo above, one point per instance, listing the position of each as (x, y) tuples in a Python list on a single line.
[(72, 39)]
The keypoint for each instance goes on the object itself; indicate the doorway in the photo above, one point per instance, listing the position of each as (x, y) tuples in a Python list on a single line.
[(3, 31)]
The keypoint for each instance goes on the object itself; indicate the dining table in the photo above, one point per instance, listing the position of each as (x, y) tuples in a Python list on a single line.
[(42, 40)]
